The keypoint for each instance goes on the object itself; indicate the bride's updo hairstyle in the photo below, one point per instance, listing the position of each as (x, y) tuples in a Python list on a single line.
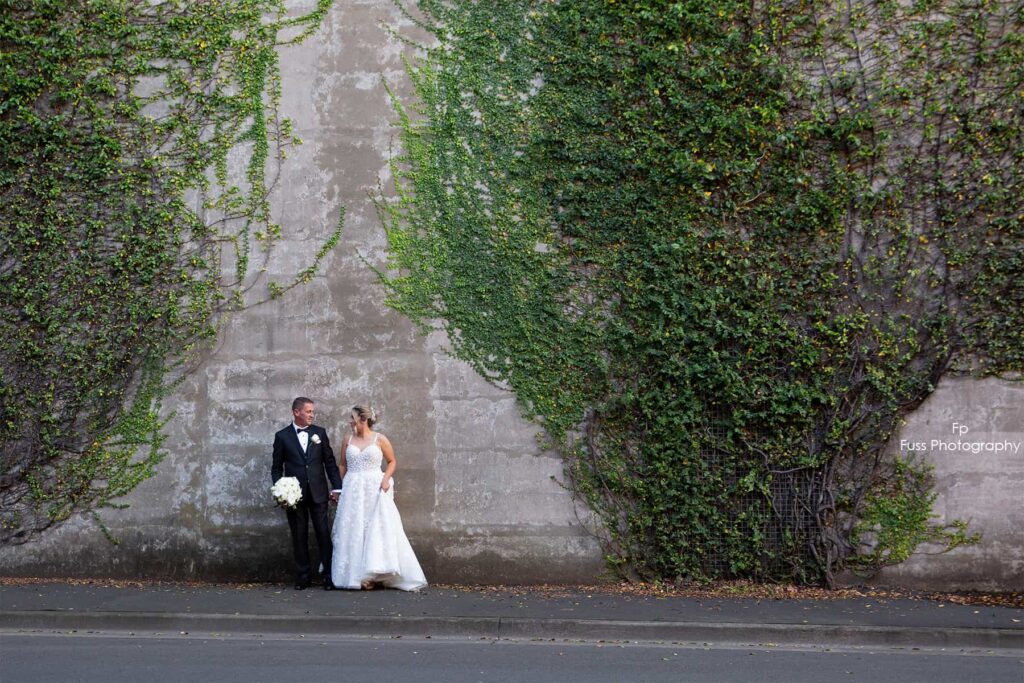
[(366, 413)]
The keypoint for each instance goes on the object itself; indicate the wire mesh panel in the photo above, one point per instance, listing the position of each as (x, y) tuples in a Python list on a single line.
[(773, 514)]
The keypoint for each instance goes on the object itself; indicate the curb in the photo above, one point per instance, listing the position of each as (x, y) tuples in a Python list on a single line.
[(524, 628)]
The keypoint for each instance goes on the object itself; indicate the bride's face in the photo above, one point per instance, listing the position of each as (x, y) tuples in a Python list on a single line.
[(358, 425)]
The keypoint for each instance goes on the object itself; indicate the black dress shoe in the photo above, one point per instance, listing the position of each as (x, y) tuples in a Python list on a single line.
[(302, 585), (328, 585)]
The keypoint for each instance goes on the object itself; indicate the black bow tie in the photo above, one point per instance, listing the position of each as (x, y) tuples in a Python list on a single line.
[(303, 429)]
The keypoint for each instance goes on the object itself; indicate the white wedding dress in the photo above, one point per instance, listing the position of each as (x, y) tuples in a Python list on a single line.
[(369, 540)]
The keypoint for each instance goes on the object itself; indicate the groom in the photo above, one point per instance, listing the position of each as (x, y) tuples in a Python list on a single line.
[(302, 450)]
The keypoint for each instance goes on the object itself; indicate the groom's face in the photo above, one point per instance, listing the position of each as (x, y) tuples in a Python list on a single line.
[(304, 415)]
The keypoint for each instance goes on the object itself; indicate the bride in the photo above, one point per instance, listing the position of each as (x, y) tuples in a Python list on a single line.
[(370, 546)]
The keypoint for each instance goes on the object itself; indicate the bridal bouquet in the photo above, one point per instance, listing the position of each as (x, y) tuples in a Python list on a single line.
[(287, 492)]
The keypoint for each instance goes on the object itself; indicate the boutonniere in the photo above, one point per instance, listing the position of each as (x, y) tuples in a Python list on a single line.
[(315, 438)]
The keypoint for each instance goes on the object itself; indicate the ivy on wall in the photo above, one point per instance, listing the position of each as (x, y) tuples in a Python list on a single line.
[(138, 140), (719, 250)]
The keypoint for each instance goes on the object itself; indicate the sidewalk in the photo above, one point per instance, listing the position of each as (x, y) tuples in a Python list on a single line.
[(519, 613)]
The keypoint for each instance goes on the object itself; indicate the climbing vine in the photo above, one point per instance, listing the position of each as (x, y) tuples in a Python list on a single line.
[(140, 144), (720, 250)]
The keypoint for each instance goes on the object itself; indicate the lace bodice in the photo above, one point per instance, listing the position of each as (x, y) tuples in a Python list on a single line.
[(364, 459)]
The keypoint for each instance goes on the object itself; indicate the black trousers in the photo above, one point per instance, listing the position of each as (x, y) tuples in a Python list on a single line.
[(298, 522)]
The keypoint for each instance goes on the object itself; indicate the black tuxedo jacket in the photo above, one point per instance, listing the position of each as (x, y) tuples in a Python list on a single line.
[(313, 469)]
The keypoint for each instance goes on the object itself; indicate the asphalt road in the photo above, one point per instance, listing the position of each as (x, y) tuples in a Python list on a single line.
[(168, 658)]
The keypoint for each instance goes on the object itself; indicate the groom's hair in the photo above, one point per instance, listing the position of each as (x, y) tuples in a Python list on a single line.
[(298, 403)]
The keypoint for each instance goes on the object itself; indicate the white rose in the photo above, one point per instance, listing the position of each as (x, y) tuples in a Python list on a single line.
[(316, 438), (286, 491)]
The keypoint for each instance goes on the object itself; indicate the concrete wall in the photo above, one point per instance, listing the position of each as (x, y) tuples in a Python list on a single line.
[(476, 494), (985, 488)]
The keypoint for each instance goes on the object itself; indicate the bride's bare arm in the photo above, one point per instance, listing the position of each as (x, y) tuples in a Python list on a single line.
[(342, 464), (389, 456)]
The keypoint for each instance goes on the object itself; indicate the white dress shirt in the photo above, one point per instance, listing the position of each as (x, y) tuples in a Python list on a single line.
[(303, 436)]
